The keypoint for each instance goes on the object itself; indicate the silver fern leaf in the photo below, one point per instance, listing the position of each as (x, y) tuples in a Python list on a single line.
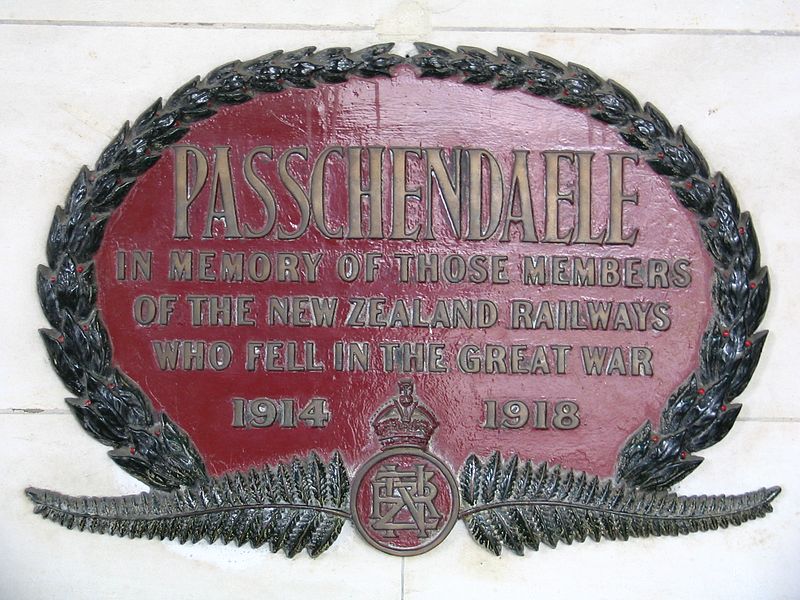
[(302, 504), (520, 506)]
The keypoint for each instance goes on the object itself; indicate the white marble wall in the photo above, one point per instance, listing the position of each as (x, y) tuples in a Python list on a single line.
[(74, 71)]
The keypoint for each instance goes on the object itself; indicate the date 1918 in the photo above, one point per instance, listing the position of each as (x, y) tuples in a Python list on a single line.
[(538, 414), (266, 412)]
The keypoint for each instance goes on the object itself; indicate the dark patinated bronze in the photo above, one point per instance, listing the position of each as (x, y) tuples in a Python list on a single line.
[(464, 436), (404, 500)]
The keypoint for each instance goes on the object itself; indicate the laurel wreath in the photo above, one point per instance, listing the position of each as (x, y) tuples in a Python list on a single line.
[(151, 447)]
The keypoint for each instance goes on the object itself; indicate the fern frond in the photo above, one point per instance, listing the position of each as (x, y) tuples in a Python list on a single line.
[(523, 505), (292, 507)]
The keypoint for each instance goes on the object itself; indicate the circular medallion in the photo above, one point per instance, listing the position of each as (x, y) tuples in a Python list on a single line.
[(404, 501)]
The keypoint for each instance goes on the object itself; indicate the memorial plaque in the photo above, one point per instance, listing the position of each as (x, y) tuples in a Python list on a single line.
[(327, 286)]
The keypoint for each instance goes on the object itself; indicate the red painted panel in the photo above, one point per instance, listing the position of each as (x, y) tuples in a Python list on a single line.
[(416, 113)]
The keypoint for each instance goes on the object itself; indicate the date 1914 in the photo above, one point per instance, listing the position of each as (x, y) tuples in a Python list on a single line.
[(285, 412)]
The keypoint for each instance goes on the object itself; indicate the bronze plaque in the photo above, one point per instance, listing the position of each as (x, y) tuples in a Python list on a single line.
[(327, 286)]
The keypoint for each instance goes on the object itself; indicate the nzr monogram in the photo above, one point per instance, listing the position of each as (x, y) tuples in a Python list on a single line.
[(403, 499)]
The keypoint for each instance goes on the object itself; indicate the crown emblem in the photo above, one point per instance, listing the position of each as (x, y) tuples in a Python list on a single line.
[(404, 420)]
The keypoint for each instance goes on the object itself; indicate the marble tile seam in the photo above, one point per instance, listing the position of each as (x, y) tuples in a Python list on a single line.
[(402, 578), (34, 411), (768, 419), (185, 25), (625, 31), (434, 28)]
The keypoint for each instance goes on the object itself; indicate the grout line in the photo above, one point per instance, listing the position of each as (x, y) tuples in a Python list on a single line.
[(402, 578), (626, 31), (769, 419), (442, 28), (34, 411), (186, 25)]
